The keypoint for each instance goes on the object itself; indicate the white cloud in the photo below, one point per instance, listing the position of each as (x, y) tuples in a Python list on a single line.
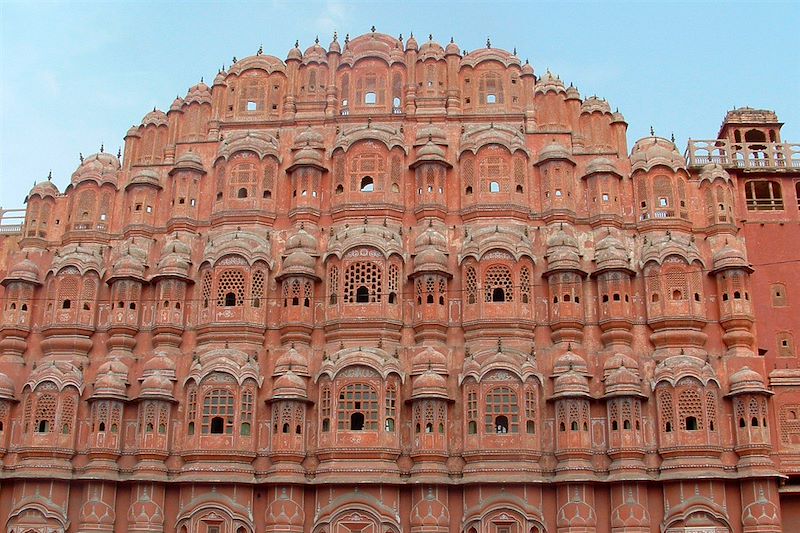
[(332, 17)]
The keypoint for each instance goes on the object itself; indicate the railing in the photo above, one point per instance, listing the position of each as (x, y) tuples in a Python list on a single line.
[(747, 155), (11, 221)]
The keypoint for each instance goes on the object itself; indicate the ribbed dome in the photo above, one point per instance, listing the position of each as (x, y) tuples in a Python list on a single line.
[(159, 363), (730, 257), (527, 69), (611, 253), (309, 157), (429, 385), (289, 386), (571, 383), (573, 93), (309, 136), (25, 270), (189, 161), (6, 387), (429, 359), (295, 53), (549, 83), (155, 117), (411, 43), (175, 259), (651, 151), (156, 385), (44, 189), (554, 151), (594, 104), (299, 260), (430, 259), (601, 165), (101, 167), (292, 360), (199, 93), (177, 104), (219, 79), (452, 48), (569, 361), (145, 177), (430, 49), (747, 380)]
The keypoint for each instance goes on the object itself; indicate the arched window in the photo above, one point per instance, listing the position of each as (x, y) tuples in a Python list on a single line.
[(230, 288), (498, 286), (367, 184), (363, 283), (472, 285), (218, 412), (357, 408), (502, 411)]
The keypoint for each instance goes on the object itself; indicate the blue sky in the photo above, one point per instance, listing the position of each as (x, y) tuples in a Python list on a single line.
[(75, 74)]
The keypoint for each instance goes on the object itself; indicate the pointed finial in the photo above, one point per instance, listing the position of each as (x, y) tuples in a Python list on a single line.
[(260, 49), (672, 136), (372, 29), (652, 132), (527, 62), (346, 38), (102, 149), (488, 43), (201, 79), (451, 40), (430, 36), (297, 44), (119, 152), (515, 51), (316, 39), (335, 36), (50, 175), (569, 346), (400, 38), (234, 60)]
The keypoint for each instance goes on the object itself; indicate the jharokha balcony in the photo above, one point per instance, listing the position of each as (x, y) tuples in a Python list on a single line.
[(744, 155)]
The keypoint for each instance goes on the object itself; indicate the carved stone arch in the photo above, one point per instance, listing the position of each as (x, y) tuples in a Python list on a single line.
[(385, 134), (216, 508), (365, 512), (699, 512), (503, 508), (375, 359), (262, 144), (477, 136), (38, 514)]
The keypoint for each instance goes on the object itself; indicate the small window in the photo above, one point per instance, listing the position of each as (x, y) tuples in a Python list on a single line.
[(367, 184), (468, 190), (217, 425), (395, 187), (396, 102), (559, 194), (501, 424), (370, 98), (66, 304), (778, 291), (530, 427), (43, 427), (357, 421), (242, 193), (252, 106), (219, 196), (362, 295), (663, 202), (339, 189), (494, 186), (230, 300), (149, 209), (691, 423), (472, 427), (390, 425), (498, 295), (138, 207), (763, 195), (605, 197), (491, 98), (326, 424), (519, 189)]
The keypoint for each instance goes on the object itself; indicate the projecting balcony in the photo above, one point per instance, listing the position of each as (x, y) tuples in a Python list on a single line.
[(750, 156)]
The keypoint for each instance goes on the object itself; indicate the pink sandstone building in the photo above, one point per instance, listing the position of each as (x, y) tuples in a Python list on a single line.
[(390, 286)]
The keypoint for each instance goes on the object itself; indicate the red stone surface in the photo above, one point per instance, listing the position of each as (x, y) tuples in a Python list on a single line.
[(392, 287)]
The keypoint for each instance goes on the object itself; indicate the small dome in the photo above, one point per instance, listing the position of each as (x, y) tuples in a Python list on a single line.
[(189, 161), (554, 151), (301, 240), (571, 383), (616, 116), (730, 257), (295, 53), (156, 385), (175, 259), (713, 171), (601, 165), (44, 189), (177, 104), (453, 49), (611, 253), (430, 259), (25, 270), (145, 177), (315, 53), (747, 380), (155, 117), (113, 366), (292, 360), (289, 386), (101, 167), (651, 151), (309, 136), (219, 79), (411, 43), (335, 47), (133, 131), (199, 93), (429, 359), (431, 153), (109, 385), (570, 361), (299, 260), (573, 93), (430, 49), (429, 385), (594, 104), (620, 360), (527, 69), (6, 387), (549, 83), (159, 363), (308, 157)]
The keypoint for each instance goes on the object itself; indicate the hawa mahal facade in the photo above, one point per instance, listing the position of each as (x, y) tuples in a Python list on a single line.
[(397, 287)]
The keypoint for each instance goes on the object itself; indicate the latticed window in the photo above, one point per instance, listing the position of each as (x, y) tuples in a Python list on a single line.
[(677, 284), (363, 283), (530, 411), (519, 175), (711, 410), (494, 174), (191, 409), (468, 175), (472, 285), (68, 408), (333, 284), (246, 416), (218, 412), (666, 411), (206, 288), (497, 284), (525, 284), (230, 288), (257, 289), (45, 418), (490, 89), (626, 414), (690, 410), (390, 407), (243, 180), (394, 275), (613, 415), (472, 412), (370, 165), (325, 407), (251, 94), (268, 184), (357, 408), (502, 412)]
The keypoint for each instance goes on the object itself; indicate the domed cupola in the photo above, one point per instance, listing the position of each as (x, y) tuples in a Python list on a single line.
[(111, 381), (219, 79), (730, 256), (431, 257), (611, 253), (574, 94), (315, 54), (411, 43), (177, 105), (188, 161), (554, 152), (570, 384), (430, 49), (593, 104), (550, 83), (128, 262), (570, 361), (335, 47), (429, 384), (621, 376), (175, 260), (295, 54), (101, 168), (6, 388), (157, 386), (293, 360), (289, 386), (43, 189), (431, 153), (156, 117), (24, 271), (563, 252), (453, 49), (301, 253), (199, 93), (653, 151)]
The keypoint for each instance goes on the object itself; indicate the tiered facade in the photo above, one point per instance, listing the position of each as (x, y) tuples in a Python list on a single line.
[(392, 287)]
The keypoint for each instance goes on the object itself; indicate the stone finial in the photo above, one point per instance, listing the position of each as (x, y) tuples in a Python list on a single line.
[(451, 40), (260, 49), (316, 39), (50, 176), (297, 43), (372, 29), (234, 60), (80, 156), (652, 132), (430, 36), (515, 51), (335, 36), (102, 148), (488, 43), (672, 137), (119, 153)]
